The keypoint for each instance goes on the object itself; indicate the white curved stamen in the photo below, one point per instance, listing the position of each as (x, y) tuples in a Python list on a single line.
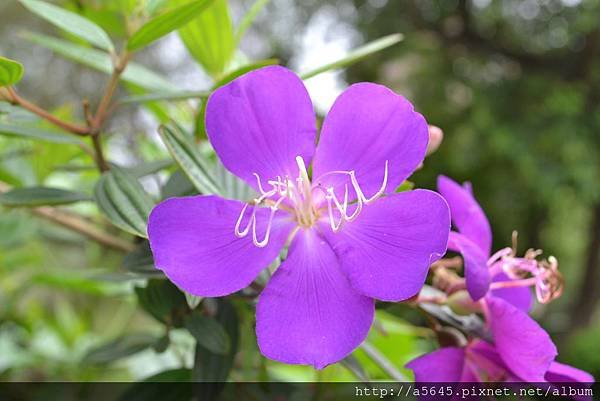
[(259, 184), (335, 227), (381, 189), (265, 240), (242, 234), (298, 196)]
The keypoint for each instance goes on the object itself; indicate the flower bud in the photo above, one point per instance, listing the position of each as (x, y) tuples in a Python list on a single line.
[(436, 135), (461, 303)]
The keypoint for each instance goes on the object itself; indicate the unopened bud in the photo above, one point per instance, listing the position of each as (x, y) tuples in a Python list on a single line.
[(461, 303), (436, 136)]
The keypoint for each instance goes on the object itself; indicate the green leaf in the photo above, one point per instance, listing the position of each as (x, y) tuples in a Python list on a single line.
[(193, 300), (243, 70), (167, 22), (64, 280), (162, 300), (153, 97), (101, 61), (356, 54), (155, 387), (249, 19), (162, 344), (178, 184), (149, 168), (187, 155), (406, 185), (214, 368), (30, 132), (118, 348), (11, 71), (73, 23), (140, 262), (123, 201), (39, 196), (232, 186), (353, 365), (209, 333), (210, 38)]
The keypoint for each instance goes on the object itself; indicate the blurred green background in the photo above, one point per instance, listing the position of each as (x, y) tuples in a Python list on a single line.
[(515, 86)]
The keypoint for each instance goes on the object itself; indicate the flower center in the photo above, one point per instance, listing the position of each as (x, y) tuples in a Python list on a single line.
[(297, 196), (528, 271)]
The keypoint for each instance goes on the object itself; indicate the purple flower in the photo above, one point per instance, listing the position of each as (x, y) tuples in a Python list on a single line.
[(480, 361), (348, 242), (521, 349), (501, 271)]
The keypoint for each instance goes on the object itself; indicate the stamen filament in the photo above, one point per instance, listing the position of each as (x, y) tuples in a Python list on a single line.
[(299, 195)]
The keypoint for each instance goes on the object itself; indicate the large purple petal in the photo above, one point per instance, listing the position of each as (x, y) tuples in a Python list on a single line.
[(260, 122), (309, 313), (477, 274), (521, 297), (579, 381), (193, 242), (367, 125), (466, 213), (388, 249), (561, 373), (443, 365), (521, 343)]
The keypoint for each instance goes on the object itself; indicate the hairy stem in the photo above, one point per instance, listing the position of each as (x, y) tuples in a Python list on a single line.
[(113, 84), (80, 225), (14, 98)]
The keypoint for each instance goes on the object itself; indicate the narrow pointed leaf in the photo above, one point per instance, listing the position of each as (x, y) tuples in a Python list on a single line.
[(123, 201), (169, 385), (214, 368), (249, 19), (30, 132), (140, 262), (11, 71), (185, 152), (167, 22), (40, 196), (119, 348), (149, 168), (210, 38), (162, 300), (101, 61), (356, 54), (243, 70), (70, 22), (153, 97), (209, 333)]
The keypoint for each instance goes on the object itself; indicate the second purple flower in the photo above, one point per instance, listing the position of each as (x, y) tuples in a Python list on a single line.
[(351, 238)]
